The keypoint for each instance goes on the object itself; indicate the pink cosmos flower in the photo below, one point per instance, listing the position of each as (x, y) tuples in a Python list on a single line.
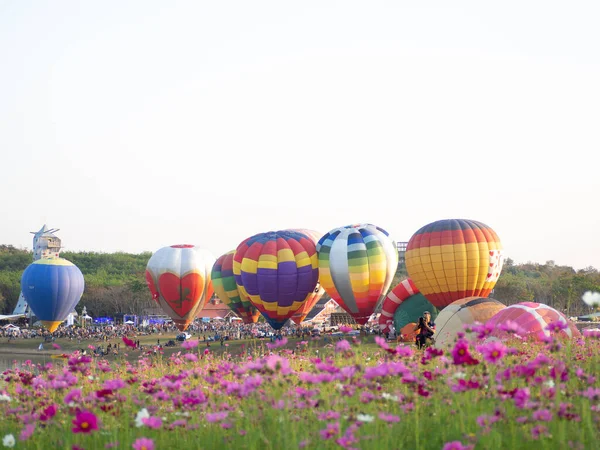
[(512, 328), (48, 413), (543, 415), (143, 444), (456, 445), (152, 422), (493, 351), (26, 432), (190, 357), (591, 333), (55, 346), (278, 343), (343, 346), (332, 430), (461, 354), (345, 329), (216, 417), (188, 345), (128, 342), (390, 418), (557, 326), (85, 422)]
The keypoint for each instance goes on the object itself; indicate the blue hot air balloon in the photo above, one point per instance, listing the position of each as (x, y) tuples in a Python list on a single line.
[(52, 287)]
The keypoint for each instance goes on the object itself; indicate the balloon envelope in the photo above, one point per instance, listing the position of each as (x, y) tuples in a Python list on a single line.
[(532, 318), (179, 279), (52, 287), (227, 290), (453, 259), (356, 266), (278, 272), (313, 299), (453, 317), (402, 305)]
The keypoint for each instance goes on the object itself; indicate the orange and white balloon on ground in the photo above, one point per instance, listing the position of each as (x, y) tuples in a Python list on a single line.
[(466, 311), (179, 279)]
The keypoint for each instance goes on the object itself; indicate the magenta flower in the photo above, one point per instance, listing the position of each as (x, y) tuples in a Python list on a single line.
[(512, 328), (128, 342), (390, 418), (85, 422), (152, 422), (26, 432), (332, 430), (542, 415), (382, 343), (343, 346), (493, 351), (345, 329), (557, 326), (143, 444), (188, 345), (456, 445), (48, 413), (278, 343), (216, 417), (56, 346), (461, 354)]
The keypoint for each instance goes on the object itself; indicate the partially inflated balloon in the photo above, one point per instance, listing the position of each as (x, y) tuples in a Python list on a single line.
[(453, 259), (465, 311), (532, 320), (356, 266), (402, 305), (179, 279), (226, 289), (278, 271), (52, 287)]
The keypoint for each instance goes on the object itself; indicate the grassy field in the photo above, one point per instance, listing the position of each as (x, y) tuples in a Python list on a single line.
[(341, 394)]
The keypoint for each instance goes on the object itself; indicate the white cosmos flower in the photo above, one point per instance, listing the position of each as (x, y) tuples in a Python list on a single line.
[(591, 298), (365, 418), (4, 398), (8, 441), (390, 397), (142, 414)]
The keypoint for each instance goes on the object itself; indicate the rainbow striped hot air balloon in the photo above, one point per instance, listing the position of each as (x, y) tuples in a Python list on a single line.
[(52, 287), (453, 259), (356, 266), (179, 279), (226, 289), (277, 271)]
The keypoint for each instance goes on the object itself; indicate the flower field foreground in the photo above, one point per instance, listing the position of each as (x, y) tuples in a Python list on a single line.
[(350, 395)]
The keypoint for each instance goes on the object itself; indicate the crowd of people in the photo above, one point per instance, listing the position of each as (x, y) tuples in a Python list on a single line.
[(214, 331)]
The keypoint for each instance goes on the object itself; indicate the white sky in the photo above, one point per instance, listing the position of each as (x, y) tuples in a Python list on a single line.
[(134, 125)]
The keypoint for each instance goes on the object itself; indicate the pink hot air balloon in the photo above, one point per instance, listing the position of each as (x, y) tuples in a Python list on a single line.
[(531, 320)]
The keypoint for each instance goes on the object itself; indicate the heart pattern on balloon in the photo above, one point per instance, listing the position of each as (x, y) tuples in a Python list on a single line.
[(181, 294), (152, 286)]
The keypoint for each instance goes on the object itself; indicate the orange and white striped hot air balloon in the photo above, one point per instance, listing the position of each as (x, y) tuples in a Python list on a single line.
[(453, 259)]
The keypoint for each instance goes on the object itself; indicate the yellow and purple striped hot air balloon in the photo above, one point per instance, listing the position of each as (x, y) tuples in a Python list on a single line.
[(356, 266), (277, 271), (453, 259)]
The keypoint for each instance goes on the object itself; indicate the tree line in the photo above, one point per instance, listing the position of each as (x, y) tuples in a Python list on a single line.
[(115, 282)]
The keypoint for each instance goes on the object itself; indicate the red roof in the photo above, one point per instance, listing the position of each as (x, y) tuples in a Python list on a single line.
[(214, 308)]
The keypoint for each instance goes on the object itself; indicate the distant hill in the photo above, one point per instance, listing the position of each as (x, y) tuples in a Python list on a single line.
[(115, 282)]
